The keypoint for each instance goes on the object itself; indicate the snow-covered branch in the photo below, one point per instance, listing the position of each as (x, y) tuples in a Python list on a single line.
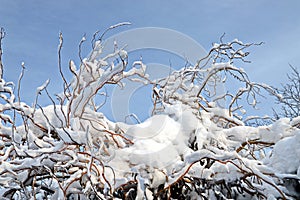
[(195, 146)]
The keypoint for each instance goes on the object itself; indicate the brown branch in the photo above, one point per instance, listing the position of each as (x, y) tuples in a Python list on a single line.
[(253, 142), (2, 35), (243, 171), (66, 87)]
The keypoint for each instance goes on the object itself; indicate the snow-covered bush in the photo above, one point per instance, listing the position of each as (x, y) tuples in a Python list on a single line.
[(195, 146)]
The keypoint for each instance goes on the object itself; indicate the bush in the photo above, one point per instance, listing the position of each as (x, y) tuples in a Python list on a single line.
[(70, 150)]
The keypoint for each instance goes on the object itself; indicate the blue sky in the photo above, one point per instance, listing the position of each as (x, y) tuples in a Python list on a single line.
[(32, 29)]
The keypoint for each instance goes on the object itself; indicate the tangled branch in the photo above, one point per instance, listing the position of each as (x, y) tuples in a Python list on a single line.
[(69, 149)]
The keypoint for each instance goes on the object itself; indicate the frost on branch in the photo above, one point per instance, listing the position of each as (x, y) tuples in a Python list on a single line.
[(195, 146)]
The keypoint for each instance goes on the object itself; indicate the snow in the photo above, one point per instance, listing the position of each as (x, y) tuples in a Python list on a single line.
[(157, 142), (295, 121), (50, 116), (285, 157), (42, 87), (73, 148)]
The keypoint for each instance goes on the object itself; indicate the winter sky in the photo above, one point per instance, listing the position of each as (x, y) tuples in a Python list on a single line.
[(32, 29)]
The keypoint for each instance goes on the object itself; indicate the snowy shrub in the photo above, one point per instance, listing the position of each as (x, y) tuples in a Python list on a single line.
[(195, 146)]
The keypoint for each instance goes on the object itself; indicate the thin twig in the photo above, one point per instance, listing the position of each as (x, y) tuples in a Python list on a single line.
[(2, 35), (66, 87)]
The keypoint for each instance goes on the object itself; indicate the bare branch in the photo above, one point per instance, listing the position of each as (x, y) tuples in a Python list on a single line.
[(290, 95), (66, 86), (19, 81), (2, 35)]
